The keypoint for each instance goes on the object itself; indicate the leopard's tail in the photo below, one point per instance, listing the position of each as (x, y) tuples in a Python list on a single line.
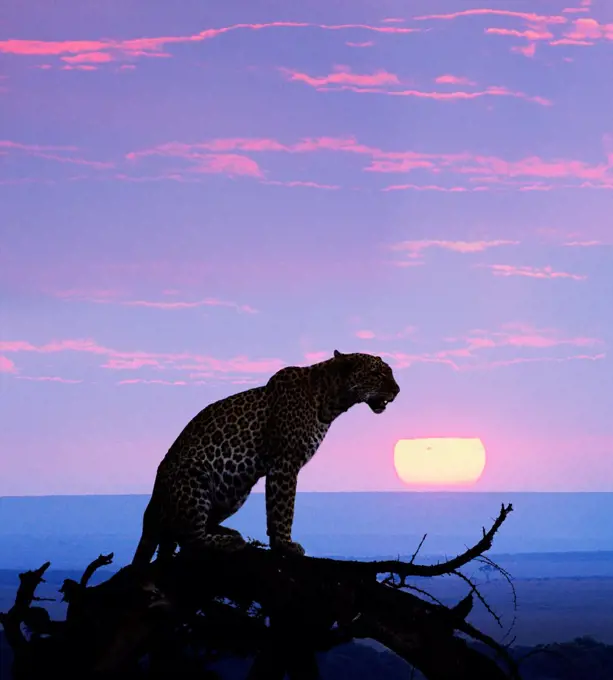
[(150, 537)]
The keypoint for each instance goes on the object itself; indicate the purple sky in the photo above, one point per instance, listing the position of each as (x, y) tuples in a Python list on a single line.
[(195, 194)]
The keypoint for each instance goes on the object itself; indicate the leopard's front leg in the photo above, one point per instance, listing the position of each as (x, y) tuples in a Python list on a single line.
[(281, 483)]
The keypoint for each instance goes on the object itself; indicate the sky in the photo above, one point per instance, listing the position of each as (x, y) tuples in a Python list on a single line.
[(194, 195)]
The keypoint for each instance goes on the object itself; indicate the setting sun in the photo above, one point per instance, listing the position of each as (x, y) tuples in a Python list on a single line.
[(439, 461)]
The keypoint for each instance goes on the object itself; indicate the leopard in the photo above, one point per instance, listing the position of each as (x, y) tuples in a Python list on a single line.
[(270, 431)]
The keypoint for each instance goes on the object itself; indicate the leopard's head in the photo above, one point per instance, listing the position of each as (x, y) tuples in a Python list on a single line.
[(367, 378)]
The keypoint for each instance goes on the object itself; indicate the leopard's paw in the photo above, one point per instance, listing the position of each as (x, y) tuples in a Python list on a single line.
[(287, 548)]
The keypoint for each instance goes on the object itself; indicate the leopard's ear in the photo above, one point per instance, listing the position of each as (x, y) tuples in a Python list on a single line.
[(338, 355)]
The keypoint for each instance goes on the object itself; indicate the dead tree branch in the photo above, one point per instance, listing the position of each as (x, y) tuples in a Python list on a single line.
[(279, 610)]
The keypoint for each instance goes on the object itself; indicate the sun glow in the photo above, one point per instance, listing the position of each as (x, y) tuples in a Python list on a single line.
[(439, 461)]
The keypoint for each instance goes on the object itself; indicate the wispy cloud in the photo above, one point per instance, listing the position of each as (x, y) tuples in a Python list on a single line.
[(448, 79), (59, 154), (131, 360), (365, 334), (434, 187), (482, 349), (583, 244), (531, 272), (525, 335), (305, 184), (49, 378), (144, 381), (88, 58), (525, 16), (414, 249), (475, 168), (342, 75), (113, 297), (383, 82), (553, 30), (7, 366), (366, 43), (586, 29), (548, 360), (233, 157), (228, 164), (156, 47)]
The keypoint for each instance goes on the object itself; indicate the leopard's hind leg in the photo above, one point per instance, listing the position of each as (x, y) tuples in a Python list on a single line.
[(193, 505)]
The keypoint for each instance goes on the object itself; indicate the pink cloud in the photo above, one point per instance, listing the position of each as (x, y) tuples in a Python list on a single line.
[(112, 297), (132, 364), (143, 381), (176, 304), (589, 29), (448, 79), (478, 168), (460, 95), (371, 335), (154, 47), (480, 349), (528, 34), (408, 263), (343, 76), (393, 20), (568, 41), (366, 43), (525, 335), (515, 336), (162, 177), (59, 154), (89, 57), (80, 67), (583, 244), (430, 187), (525, 16), (228, 164), (129, 360), (46, 47), (7, 366), (526, 50), (33, 148), (298, 183), (531, 272), (414, 249), (492, 166), (531, 360)]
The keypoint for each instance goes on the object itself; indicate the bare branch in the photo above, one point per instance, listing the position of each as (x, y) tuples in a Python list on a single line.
[(92, 567), (26, 594), (220, 601)]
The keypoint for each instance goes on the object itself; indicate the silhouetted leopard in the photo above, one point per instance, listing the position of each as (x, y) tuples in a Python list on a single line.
[(270, 431)]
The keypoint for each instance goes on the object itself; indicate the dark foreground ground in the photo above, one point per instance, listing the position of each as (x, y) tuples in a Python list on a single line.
[(549, 611)]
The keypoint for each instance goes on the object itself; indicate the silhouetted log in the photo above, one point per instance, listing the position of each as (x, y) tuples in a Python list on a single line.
[(279, 610)]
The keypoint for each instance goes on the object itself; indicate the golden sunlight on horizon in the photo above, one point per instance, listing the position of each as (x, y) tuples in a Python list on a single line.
[(439, 460)]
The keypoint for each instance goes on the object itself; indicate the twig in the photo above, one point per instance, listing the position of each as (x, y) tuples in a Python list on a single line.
[(92, 567), (418, 549), (26, 594)]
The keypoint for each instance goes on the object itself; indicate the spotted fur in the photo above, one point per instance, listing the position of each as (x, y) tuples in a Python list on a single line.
[(271, 431)]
